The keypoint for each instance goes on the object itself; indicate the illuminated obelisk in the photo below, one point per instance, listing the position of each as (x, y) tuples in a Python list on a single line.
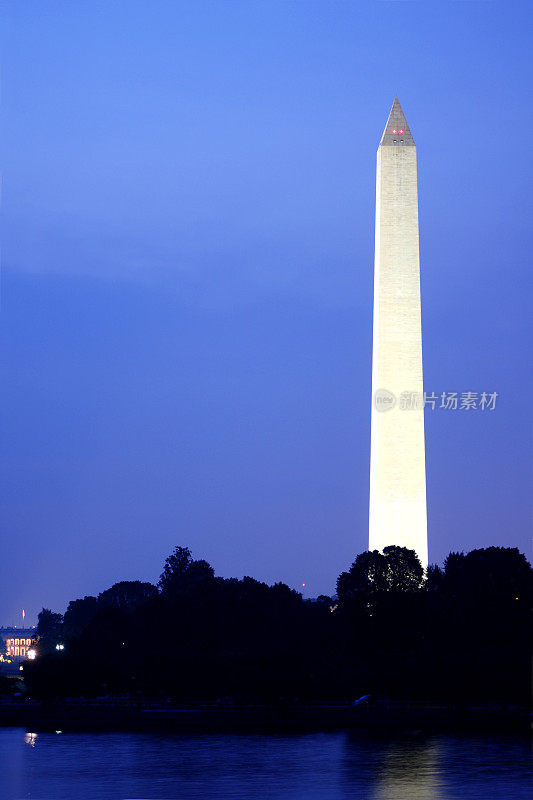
[(397, 458)]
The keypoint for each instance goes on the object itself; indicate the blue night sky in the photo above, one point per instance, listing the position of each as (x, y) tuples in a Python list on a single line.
[(188, 236)]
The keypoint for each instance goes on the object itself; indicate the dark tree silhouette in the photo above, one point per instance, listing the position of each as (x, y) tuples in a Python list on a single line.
[(49, 630), (404, 570), (127, 595), (397, 569), (367, 576), (434, 578), (49, 624), (460, 635), (78, 615), (181, 571), (501, 573)]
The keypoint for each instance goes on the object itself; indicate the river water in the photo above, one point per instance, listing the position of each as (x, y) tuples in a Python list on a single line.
[(314, 766)]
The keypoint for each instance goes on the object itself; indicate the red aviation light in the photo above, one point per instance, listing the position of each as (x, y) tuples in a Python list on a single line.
[(400, 131), (394, 130)]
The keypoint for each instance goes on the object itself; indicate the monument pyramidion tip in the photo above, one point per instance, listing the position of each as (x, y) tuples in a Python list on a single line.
[(397, 130)]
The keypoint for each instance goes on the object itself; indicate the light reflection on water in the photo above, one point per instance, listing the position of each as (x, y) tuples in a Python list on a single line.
[(327, 766), (410, 772), (30, 738)]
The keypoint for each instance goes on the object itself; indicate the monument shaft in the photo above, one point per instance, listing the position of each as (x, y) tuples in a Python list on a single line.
[(397, 458)]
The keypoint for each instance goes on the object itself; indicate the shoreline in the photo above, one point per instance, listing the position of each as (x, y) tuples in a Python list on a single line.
[(268, 719)]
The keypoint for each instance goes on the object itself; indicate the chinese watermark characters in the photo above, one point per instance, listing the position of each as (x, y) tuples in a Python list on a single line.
[(384, 400)]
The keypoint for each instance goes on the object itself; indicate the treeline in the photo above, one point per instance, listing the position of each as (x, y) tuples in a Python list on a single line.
[(456, 634)]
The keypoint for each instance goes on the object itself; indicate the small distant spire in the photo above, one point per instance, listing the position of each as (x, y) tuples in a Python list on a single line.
[(397, 130)]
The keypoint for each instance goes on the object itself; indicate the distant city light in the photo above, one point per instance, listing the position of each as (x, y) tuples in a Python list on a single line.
[(32, 654), (60, 646), (21, 668)]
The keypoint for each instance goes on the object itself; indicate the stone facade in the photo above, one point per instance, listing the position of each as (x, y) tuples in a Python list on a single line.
[(397, 461)]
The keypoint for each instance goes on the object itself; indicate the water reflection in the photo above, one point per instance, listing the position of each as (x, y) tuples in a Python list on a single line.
[(410, 770), (314, 766)]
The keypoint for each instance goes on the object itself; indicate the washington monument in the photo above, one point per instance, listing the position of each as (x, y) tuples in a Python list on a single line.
[(397, 457)]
